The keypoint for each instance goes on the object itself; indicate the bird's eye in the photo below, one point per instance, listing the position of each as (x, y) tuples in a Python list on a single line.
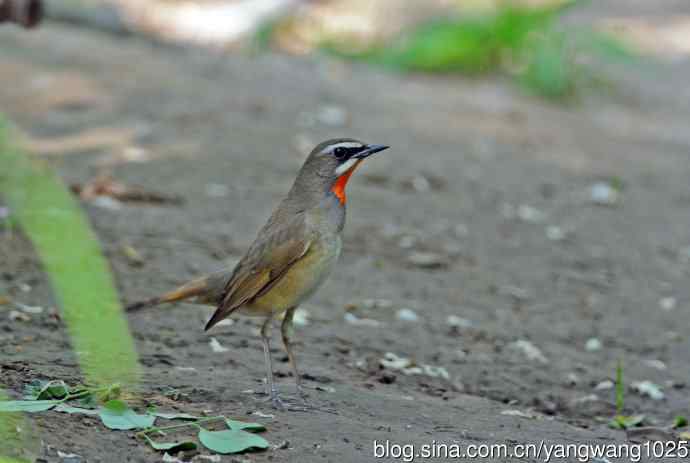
[(340, 153)]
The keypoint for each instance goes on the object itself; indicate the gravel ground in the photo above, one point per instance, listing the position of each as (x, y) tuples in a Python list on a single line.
[(533, 246)]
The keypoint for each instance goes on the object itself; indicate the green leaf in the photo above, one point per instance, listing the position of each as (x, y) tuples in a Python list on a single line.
[(64, 408), (231, 441), (174, 416), (53, 390), (549, 70), (626, 422), (239, 425), (29, 406), (32, 389), (620, 388), (116, 415), (680, 422), (171, 446)]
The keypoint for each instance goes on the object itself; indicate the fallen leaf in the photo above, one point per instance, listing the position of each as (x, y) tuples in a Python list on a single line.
[(231, 441), (171, 446), (63, 408), (175, 416), (29, 406), (115, 414), (95, 139), (518, 413), (106, 186), (240, 425)]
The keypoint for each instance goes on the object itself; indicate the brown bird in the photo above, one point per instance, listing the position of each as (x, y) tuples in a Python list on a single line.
[(291, 256)]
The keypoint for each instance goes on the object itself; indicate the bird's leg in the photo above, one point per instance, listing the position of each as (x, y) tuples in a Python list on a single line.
[(271, 390), (286, 329)]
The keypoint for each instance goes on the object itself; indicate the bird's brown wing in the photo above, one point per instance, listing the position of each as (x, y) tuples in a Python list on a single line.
[(266, 261)]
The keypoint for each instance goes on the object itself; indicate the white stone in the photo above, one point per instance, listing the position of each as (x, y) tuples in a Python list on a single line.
[(531, 351), (407, 315), (217, 347), (649, 389), (593, 345)]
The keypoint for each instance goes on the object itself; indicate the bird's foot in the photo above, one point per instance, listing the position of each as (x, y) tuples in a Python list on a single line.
[(273, 396), (291, 404), (277, 402), (303, 396)]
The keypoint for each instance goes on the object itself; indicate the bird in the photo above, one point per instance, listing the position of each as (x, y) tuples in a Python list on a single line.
[(291, 256)]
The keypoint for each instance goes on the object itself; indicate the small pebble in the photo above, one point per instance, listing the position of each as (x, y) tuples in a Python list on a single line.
[(211, 458), (167, 458), (458, 322), (4, 212), (572, 379), (186, 369), (531, 351), (377, 303), (280, 445), (555, 233), (421, 184), (586, 399), (529, 214), (217, 347), (603, 194), (604, 385), (301, 317), (394, 362), (134, 153), (407, 242), (593, 345), (106, 202), (668, 303), (30, 309), (517, 293), (407, 315), (435, 372), (518, 413), (426, 260), (69, 457), (353, 319), (656, 364), (648, 389), (17, 316)]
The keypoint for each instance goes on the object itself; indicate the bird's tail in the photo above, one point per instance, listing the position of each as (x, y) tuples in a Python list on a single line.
[(197, 288)]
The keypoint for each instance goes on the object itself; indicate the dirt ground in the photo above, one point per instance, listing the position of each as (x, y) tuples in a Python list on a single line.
[(494, 184)]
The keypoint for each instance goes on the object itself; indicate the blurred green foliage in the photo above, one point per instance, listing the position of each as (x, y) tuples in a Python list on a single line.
[(71, 256), (528, 43)]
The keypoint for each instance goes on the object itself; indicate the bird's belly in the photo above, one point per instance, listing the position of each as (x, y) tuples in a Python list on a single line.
[(300, 282)]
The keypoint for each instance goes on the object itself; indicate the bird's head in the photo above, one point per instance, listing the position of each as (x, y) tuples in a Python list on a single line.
[(332, 162)]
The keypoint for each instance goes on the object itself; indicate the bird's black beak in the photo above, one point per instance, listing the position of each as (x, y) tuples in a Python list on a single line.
[(369, 150)]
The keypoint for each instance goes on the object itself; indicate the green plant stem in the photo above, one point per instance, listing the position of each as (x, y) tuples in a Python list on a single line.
[(620, 388), (182, 425), (85, 393)]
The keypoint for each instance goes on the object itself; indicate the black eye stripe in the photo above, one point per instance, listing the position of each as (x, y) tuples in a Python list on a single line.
[(342, 152)]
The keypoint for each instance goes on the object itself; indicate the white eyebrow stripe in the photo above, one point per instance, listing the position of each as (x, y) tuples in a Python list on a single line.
[(345, 166), (346, 144)]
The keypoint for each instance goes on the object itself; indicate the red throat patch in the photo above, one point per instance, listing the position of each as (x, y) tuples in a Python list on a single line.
[(338, 187)]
